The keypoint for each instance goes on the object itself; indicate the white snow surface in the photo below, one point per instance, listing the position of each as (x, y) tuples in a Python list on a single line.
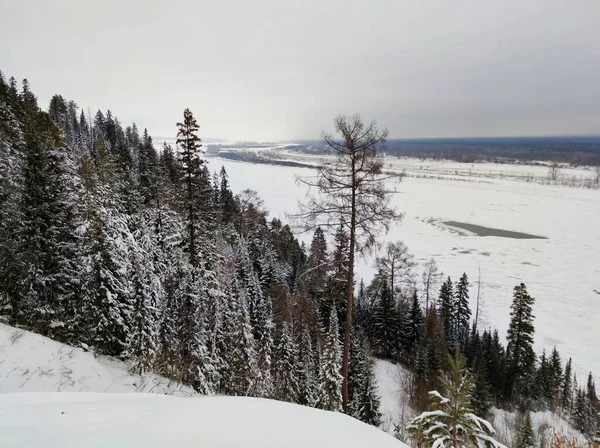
[(150, 420), (561, 272), (30, 362)]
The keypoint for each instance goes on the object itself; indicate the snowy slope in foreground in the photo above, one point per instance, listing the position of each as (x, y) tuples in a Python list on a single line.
[(33, 363), (150, 420)]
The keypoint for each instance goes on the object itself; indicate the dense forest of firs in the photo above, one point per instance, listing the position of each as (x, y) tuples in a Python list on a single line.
[(142, 254)]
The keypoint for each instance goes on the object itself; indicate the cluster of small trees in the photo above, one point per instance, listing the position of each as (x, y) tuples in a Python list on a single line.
[(142, 254)]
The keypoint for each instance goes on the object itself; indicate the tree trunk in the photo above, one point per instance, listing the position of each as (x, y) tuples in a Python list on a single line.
[(350, 295)]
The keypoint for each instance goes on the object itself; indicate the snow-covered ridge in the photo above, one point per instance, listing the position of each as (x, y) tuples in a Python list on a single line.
[(149, 420), (38, 365), (30, 362)]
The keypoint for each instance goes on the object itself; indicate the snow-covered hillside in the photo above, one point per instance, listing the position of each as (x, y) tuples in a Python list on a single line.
[(149, 420), (546, 425), (38, 365), (33, 363)]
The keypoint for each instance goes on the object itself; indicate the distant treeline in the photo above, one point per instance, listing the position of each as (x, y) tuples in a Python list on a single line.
[(573, 150), (250, 157)]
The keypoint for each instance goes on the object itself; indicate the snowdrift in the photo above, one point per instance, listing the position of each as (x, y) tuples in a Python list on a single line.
[(150, 420), (30, 362)]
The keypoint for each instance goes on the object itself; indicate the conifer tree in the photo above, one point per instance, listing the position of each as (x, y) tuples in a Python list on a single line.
[(330, 380), (566, 394), (519, 350), (191, 155), (446, 305), (317, 266), (384, 321), (364, 400), (142, 341), (452, 423), (307, 371), (526, 438), (412, 330), (285, 375), (461, 312)]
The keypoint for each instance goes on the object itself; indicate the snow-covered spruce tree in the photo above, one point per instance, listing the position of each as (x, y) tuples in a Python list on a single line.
[(239, 376), (11, 179), (142, 340), (446, 306), (337, 282), (317, 266), (191, 158), (330, 379), (307, 371), (364, 400), (385, 324), (566, 394), (451, 422), (412, 328), (261, 317), (48, 253), (526, 437), (285, 373), (519, 348), (462, 312)]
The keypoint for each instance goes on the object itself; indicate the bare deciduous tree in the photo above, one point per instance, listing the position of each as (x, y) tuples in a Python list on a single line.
[(397, 264), (431, 278), (597, 171), (553, 171), (351, 190)]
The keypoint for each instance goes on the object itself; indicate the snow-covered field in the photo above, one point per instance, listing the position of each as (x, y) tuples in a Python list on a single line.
[(562, 272)]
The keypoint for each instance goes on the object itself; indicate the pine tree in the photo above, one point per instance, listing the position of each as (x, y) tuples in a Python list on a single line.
[(238, 345), (317, 266), (452, 423), (482, 395), (446, 305), (461, 312), (330, 379), (48, 254), (142, 341), (519, 350), (412, 329), (191, 158), (285, 374), (526, 438), (566, 393), (307, 372), (384, 322), (337, 283), (556, 379), (364, 400)]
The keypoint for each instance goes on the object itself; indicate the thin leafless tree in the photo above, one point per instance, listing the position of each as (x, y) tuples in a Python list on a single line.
[(350, 190), (397, 263), (554, 171), (431, 278)]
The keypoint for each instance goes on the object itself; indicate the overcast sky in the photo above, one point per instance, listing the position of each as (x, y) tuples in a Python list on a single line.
[(282, 69)]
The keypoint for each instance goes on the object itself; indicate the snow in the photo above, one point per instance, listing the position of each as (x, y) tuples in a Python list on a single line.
[(33, 363), (149, 420), (33, 369), (395, 409), (561, 272)]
